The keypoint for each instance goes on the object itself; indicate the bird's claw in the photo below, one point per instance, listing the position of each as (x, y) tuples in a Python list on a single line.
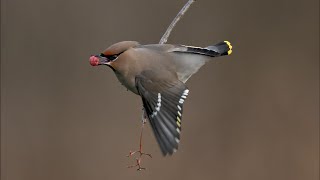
[(138, 160)]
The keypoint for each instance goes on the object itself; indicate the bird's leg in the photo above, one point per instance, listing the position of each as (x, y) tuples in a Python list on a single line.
[(138, 160)]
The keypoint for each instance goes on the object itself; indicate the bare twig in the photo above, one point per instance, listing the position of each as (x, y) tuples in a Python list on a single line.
[(174, 22)]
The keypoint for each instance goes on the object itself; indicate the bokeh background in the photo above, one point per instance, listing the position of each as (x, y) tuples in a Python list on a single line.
[(252, 115)]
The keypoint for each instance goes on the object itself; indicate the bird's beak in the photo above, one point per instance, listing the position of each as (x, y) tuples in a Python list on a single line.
[(96, 60)]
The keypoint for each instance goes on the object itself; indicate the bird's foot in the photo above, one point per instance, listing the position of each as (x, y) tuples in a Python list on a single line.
[(139, 159)]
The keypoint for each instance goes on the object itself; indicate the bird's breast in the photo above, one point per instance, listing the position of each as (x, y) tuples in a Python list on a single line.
[(128, 82)]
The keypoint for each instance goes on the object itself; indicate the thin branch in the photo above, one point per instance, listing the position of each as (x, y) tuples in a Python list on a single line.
[(174, 22)]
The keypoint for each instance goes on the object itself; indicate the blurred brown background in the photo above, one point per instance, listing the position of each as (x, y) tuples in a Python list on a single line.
[(253, 115)]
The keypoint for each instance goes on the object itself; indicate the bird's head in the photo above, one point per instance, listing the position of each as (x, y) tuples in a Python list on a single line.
[(112, 53)]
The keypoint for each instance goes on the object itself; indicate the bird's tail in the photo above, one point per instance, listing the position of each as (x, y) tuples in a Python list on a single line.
[(187, 64), (221, 49)]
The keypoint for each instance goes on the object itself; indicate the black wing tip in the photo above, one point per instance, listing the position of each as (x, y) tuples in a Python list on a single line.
[(169, 152)]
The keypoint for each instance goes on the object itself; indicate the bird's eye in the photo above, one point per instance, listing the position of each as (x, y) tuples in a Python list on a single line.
[(102, 55), (112, 57)]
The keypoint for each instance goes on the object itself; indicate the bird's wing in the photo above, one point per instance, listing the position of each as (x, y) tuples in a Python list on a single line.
[(163, 103)]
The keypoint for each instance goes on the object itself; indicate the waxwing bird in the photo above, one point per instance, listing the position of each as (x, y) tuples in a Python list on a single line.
[(158, 73)]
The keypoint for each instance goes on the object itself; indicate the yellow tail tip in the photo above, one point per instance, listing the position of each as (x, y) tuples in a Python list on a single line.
[(230, 47)]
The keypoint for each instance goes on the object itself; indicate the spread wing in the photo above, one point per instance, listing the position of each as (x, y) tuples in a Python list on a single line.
[(163, 97)]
